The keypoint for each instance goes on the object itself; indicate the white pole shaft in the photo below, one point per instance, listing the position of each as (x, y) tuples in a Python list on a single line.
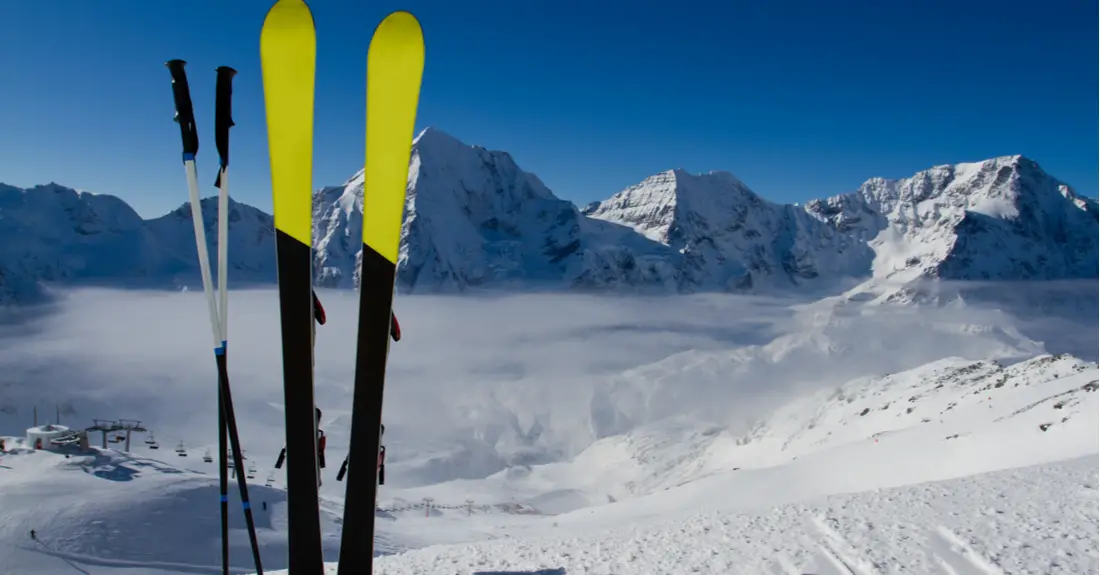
[(200, 242), (223, 254)]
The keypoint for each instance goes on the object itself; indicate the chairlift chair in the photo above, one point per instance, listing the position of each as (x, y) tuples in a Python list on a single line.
[(206, 457), (151, 440), (181, 451)]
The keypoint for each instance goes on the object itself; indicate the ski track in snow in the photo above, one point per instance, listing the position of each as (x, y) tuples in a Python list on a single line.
[(73, 558), (1030, 520)]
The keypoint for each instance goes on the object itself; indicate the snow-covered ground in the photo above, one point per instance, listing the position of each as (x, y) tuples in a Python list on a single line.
[(108, 510), (1040, 519), (575, 434)]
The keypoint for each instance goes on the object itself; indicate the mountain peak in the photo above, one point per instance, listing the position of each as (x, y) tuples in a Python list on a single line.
[(654, 205), (430, 139), (727, 236), (436, 142), (997, 219), (430, 133)]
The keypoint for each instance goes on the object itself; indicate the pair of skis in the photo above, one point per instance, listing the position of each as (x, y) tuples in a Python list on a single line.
[(395, 63), (227, 421)]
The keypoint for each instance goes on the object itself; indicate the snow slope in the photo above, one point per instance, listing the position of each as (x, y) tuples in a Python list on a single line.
[(882, 475), (1023, 521), (107, 509), (985, 405), (703, 410), (994, 470)]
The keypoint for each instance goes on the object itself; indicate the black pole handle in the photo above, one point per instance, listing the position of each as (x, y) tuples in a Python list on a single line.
[(185, 113), (223, 112)]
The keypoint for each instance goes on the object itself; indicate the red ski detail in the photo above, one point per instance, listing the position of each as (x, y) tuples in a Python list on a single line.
[(395, 328), (318, 310)]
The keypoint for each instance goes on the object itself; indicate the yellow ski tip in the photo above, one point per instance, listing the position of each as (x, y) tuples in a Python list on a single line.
[(287, 14), (288, 51), (399, 30), (395, 66)]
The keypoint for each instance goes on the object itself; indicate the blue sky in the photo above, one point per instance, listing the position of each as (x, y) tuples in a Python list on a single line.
[(799, 99)]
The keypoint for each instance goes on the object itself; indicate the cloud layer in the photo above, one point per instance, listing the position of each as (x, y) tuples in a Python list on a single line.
[(476, 382)]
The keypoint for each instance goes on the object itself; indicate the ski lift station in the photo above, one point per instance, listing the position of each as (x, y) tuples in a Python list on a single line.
[(53, 436)]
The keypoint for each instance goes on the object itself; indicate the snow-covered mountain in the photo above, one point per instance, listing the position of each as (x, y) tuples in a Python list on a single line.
[(57, 235), (52, 233), (725, 236), (251, 240), (1001, 219), (475, 218)]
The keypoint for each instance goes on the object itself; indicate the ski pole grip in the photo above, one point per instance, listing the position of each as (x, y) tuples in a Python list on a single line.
[(185, 114), (223, 112)]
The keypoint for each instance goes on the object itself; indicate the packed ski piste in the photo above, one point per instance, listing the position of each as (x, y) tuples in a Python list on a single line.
[(395, 64)]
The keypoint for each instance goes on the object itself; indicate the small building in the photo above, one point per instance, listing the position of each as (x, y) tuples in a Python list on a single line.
[(42, 436)]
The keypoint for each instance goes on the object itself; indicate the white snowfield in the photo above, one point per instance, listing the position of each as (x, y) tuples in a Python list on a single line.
[(887, 475), (1040, 519), (110, 511), (955, 467)]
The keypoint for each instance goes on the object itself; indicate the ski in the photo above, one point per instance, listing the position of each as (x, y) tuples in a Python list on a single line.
[(395, 66), (227, 421), (288, 52)]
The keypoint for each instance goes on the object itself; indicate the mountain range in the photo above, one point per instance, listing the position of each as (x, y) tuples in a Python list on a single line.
[(475, 219)]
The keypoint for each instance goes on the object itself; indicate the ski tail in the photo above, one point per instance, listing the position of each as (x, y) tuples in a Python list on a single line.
[(395, 66), (288, 59)]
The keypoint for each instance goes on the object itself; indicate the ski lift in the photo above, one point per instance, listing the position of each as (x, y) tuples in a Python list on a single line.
[(151, 440), (270, 479), (154, 445), (206, 457), (181, 451), (114, 439), (119, 438)]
